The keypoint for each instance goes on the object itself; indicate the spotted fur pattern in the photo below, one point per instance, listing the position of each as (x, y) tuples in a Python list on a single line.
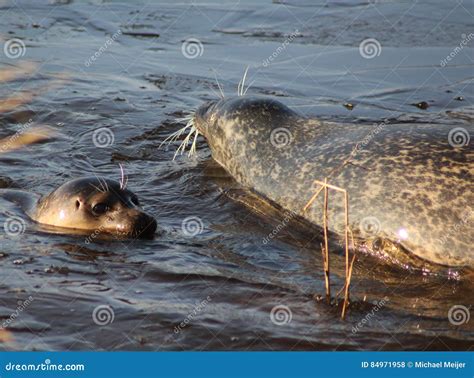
[(405, 178)]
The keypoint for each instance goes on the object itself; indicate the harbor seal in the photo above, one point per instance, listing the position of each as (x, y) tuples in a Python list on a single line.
[(410, 191), (88, 204)]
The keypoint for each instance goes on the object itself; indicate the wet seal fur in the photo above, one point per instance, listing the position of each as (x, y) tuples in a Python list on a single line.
[(405, 179), (88, 204)]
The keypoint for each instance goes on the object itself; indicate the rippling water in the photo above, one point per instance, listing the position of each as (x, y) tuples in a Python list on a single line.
[(129, 68)]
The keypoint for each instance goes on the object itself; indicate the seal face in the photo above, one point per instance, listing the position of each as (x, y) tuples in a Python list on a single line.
[(410, 195), (94, 204)]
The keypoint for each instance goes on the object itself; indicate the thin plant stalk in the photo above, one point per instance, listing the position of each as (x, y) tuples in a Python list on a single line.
[(348, 268), (346, 229), (347, 285), (326, 245)]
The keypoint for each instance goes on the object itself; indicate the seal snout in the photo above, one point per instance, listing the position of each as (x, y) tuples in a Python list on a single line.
[(203, 110), (136, 223), (145, 226), (202, 117)]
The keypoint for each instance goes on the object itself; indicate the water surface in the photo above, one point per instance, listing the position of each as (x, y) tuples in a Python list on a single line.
[(214, 290)]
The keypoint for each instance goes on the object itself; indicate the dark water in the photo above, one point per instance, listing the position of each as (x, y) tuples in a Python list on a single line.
[(223, 282)]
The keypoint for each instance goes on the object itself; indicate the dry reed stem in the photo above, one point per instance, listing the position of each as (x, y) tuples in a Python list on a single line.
[(326, 244), (348, 269), (347, 285), (346, 229), (312, 199)]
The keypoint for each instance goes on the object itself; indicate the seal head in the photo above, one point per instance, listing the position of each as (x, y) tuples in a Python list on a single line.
[(93, 204), (241, 124), (216, 118)]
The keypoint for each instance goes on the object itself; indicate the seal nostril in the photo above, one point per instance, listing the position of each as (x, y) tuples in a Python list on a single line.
[(78, 204), (377, 244)]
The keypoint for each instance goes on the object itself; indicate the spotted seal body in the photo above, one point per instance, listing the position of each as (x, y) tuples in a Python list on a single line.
[(89, 204), (410, 191)]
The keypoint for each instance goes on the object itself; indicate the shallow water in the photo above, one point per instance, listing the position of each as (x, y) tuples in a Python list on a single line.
[(222, 283)]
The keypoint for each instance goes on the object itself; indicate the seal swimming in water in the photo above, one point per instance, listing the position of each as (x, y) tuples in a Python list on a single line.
[(88, 204), (409, 190)]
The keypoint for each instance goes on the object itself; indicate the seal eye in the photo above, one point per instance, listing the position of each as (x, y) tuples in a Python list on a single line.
[(377, 244), (100, 208), (135, 201)]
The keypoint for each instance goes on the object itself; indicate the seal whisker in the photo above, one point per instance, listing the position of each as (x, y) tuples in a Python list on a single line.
[(192, 151), (188, 128), (240, 87), (96, 188), (106, 185), (125, 183), (122, 177), (185, 142), (190, 124), (102, 190), (219, 85), (174, 136), (213, 90), (248, 87)]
